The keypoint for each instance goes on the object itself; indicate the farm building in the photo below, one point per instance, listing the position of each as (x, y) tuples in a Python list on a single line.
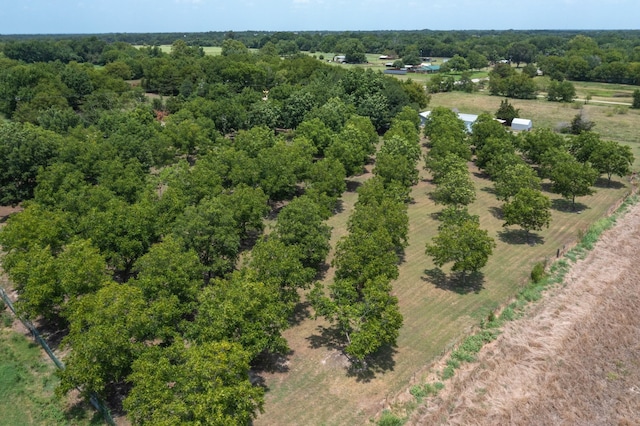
[(428, 69), (468, 119), (521, 124), (396, 71)]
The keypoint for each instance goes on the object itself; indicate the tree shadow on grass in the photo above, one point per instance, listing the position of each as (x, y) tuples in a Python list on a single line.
[(489, 189), (300, 313), (604, 183), (547, 187), (563, 205), (380, 362), (496, 212), (268, 362), (328, 337), (352, 185), (481, 175), (519, 236), (458, 282)]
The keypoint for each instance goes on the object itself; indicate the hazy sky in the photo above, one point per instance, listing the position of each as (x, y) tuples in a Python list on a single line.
[(106, 16)]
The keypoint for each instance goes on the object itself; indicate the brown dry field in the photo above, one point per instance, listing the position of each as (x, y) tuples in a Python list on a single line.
[(574, 359)]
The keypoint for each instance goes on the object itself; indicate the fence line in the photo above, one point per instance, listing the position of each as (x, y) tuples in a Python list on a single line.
[(93, 398)]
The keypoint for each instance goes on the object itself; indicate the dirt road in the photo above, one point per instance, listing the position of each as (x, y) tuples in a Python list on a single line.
[(574, 359)]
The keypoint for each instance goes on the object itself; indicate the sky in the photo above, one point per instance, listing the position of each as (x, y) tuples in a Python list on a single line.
[(141, 16)]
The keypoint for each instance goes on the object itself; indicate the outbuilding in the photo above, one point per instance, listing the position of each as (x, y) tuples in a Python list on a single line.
[(521, 124)]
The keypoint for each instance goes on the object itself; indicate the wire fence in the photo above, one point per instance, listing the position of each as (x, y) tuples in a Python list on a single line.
[(93, 399)]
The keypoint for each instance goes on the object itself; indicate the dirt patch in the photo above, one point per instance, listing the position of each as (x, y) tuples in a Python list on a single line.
[(573, 360), (6, 211)]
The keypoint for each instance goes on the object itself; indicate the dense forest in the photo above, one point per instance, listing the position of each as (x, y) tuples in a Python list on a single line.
[(147, 178)]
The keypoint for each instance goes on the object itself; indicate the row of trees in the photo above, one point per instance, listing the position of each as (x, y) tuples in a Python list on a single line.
[(517, 46), (460, 239), (144, 240), (359, 301), (517, 165)]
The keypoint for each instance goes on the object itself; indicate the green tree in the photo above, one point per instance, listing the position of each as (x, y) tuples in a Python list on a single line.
[(279, 264), (301, 224), (367, 315), (507, 112), (572, 179), (512, 178), (492, 149), (530, 209), (530, 70), (522, 52), (396, 168), (23, 150), (561, 91), (535, 144), (486, 127), (636, 99), (464, 244), (581, 123), (353, 50), (362, 256), (317, 132), (455, 189), (457, 63), (107, 331), (211, 230), (242, 310), (583, 145), (169, 271), (193, 384), (441, 166), (612, 158)]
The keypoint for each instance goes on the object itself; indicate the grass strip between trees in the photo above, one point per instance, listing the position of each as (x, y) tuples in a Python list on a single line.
[(489, 328)]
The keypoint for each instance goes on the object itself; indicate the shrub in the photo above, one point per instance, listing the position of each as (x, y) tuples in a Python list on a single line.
[(418, 392), (389, 419), (537, 273)]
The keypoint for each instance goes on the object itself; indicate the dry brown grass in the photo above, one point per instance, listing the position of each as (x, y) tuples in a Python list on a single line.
[(315, 388), (573, 361), (613, 122)]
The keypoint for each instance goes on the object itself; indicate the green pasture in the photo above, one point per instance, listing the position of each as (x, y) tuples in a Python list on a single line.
[(27, 382)]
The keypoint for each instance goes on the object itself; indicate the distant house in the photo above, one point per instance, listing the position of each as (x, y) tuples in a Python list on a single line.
[(521, 124), (428, 69), (396, 71)]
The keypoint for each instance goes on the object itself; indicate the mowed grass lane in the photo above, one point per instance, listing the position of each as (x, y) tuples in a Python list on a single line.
[(315, 388)]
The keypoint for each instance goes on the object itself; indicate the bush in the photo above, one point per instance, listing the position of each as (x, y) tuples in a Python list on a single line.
[(389, 419), (538, 273), (418, 392)]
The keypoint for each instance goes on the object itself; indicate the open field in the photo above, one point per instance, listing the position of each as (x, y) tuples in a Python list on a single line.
[(572, 360), (312, 386), (613, 122)]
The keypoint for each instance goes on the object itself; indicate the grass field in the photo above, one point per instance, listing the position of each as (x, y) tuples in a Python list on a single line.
[(614, 122), (313, 385), (27, 382)]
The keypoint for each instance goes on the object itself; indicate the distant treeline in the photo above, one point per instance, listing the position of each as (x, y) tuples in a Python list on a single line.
[(607, 56)]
